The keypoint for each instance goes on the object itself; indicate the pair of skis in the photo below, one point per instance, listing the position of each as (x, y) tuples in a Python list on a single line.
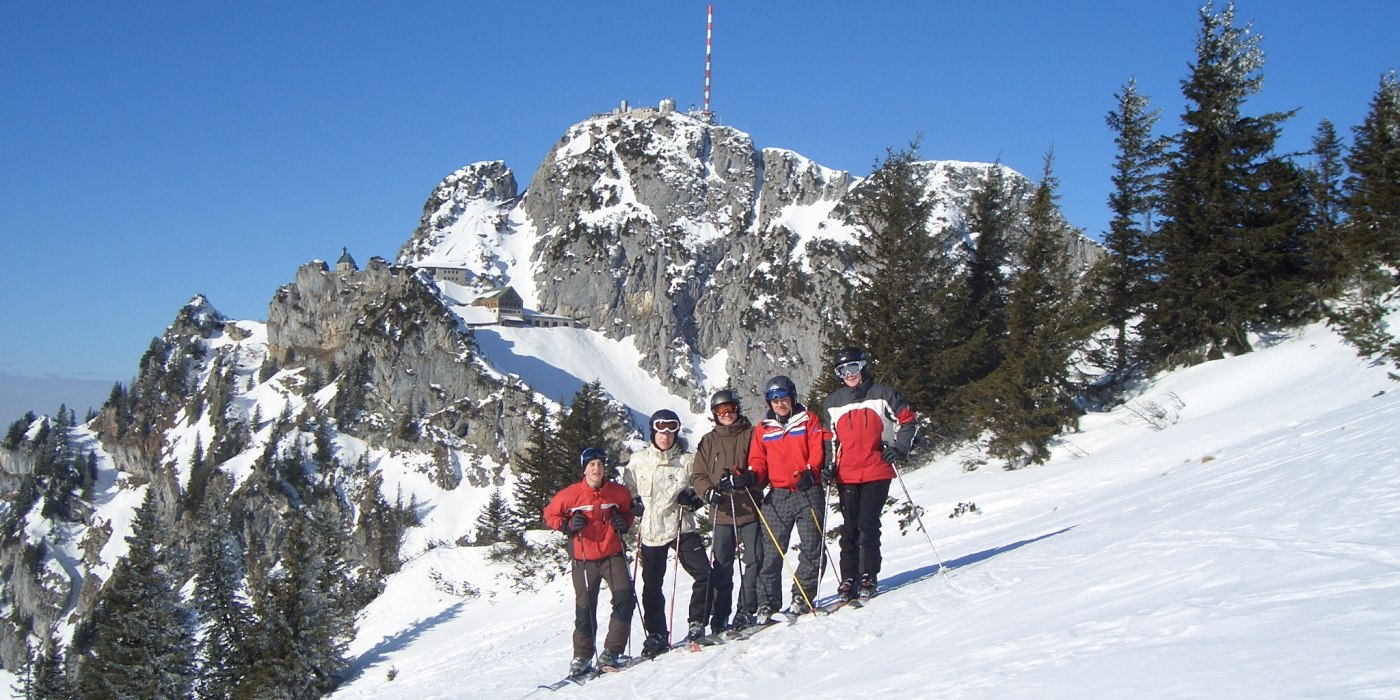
[(588, 674)]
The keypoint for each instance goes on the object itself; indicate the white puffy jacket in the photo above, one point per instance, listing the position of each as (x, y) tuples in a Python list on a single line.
[(659, 477)]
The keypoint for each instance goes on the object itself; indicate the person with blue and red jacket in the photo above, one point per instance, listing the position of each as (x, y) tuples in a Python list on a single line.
[(872, 429), (595, 513), (786, 453)]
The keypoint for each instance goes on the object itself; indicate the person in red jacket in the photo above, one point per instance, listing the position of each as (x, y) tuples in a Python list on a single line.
[(872, 428), (786, 453), (595, 513)]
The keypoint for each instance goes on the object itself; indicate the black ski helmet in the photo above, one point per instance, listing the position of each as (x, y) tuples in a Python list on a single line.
[(591, 453), (847, 356), (724, 396), (778, 387)]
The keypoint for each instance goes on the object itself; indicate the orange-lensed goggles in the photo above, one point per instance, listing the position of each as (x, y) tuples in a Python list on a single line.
[(726, 409)]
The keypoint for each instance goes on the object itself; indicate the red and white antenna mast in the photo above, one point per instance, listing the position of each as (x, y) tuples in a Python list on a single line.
[(709, 34)]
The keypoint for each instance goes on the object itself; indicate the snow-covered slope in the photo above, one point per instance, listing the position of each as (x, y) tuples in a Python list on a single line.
[(1233, 532)]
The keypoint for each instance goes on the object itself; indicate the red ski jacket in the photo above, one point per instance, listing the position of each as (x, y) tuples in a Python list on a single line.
[(863, 420), (597, 540), (780, 451)]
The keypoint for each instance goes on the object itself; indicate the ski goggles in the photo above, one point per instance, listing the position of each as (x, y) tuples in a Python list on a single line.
[(726, 409), (666, 426), (775, 394), (850, 369)]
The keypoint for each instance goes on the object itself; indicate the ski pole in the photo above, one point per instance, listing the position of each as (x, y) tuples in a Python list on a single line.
[(821, 534), (782, 555), (941, 569), (636, 599), (675, 578), (582, 564)]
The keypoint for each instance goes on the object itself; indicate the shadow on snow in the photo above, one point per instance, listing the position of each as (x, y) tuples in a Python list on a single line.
[(911, 577), (397, 641)]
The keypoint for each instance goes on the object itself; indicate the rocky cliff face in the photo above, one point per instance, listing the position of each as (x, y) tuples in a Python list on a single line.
[(418, 364), (682, 235)]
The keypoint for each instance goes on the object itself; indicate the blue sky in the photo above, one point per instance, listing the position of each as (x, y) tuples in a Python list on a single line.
[(157, 150)]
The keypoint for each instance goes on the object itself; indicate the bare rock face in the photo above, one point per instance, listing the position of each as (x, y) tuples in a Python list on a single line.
[(686, 237), (420, 362)]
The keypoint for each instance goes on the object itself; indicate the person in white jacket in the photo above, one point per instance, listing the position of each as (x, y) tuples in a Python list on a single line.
[(658, 477)]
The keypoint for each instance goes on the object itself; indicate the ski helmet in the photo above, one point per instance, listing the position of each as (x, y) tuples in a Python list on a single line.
[(724, 396), (590, 454), (848, 355), (778, 387)]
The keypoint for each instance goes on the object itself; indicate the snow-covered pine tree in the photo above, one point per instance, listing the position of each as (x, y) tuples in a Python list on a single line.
[(140, 636), (305, 619), (223, 651)]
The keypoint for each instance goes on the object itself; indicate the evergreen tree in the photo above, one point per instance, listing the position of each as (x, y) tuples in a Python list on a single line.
[(224, 650), (1327, 249), (1029, 399), (1228, 255), (551, 459), (50, 681), (891, 309), (1372, 232), (544, 470), (306, 618), (380, 527), (976, 304), (141, 639), (1118, 280), (493, 526), (15, 435)]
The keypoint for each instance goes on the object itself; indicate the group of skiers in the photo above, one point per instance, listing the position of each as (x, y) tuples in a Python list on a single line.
[(759, 483)]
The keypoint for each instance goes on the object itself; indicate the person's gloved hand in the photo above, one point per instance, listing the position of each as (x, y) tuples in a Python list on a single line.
[(619, 523), (805, 481), (688, 500), (714, 496), (726, 482), (638, 507), (575, 523), (892, 454)]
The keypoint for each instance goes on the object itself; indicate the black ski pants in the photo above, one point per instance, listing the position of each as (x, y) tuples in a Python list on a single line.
[(693, 560), (729, 540), (861, 507)]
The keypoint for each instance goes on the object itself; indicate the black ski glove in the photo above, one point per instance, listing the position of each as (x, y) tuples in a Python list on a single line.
[(892, 454), (714, 496), (805, 481), (619, 523), (638, 507), (688, 500), (726, 482), (576, 523)]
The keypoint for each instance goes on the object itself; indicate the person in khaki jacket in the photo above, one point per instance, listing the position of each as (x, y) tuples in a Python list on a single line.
[(721, 453), (658, 477)]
